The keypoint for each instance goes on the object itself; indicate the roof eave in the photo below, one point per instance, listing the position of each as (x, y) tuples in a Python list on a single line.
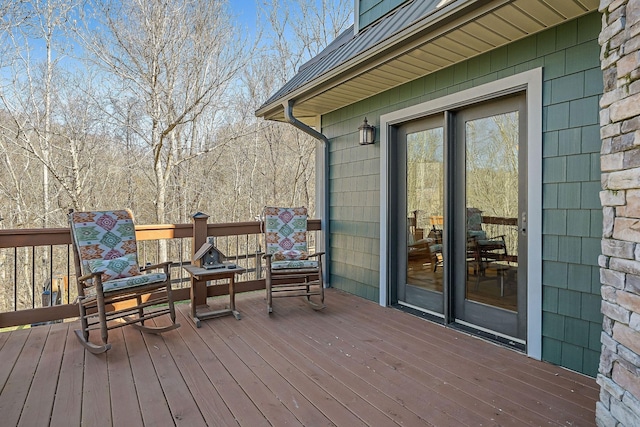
[(275, 109)]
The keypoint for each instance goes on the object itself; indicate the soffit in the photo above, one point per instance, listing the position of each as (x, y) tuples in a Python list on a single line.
[(421, 51)]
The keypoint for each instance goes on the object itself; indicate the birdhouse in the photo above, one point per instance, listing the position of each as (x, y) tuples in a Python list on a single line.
[(208, 256)]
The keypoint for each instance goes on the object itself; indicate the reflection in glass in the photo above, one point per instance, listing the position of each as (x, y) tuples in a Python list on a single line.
[(492, 209), (425, 207)]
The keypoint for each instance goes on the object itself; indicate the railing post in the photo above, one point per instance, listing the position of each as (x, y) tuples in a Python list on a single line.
[(199, 231), (198, 288)]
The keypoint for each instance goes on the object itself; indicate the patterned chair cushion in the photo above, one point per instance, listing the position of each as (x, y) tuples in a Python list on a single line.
[(286, 237), (279, 265), (129, 282), (104, 235), (474, 219), (478, 235), (290, 255), (106, 241), (474, 225), (116, 268), (285, 229), (436, 248)]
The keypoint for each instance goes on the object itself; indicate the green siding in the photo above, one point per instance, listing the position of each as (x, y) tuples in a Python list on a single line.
[(372, 10), (572, 215)]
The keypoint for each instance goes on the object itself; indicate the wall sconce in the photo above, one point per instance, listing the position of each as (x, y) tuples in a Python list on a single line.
[(367, 133)]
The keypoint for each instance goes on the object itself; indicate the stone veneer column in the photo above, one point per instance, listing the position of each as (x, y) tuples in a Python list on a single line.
[(619, 370)]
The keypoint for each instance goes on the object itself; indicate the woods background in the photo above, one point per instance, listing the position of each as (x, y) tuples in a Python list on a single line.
[(148, 105)]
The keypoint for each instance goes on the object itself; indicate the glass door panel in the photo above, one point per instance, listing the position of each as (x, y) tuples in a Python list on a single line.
[(490, 179), (425, 198), (421, 213), (492, 210)]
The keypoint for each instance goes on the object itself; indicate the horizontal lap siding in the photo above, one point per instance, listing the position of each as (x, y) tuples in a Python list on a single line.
[(572, 215)]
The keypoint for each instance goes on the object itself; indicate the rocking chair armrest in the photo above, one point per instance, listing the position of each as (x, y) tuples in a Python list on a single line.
[(316, 254), (94, 275), (163, 265), (501, 237)]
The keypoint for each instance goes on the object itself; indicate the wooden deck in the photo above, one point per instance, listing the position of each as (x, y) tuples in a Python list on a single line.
[(353, 364)]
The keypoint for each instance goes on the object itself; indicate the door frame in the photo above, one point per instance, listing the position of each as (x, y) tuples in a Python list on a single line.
[(529, 82)]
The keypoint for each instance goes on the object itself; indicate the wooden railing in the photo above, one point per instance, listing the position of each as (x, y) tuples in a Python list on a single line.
[(239, 241)]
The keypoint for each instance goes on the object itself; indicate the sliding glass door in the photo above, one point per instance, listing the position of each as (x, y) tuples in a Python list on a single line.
[(461, 215)]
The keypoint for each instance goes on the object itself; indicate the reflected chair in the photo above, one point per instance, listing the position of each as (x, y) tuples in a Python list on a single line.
[(423, 250), (289, 269), (112, 289), (481, 249)]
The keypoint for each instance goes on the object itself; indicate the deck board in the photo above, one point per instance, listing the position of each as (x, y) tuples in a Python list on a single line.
[(96, 393), (20, 379), (188, 355), (272, 408), (302, 374), (183, 408), (122, 384), (14, 343), (420, 391), (505, 383), (67, 405), (353, 364), (39, 402), (371, 404), (153, 410)]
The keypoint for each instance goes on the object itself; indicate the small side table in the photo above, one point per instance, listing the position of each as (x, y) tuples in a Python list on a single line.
[(199, 277)]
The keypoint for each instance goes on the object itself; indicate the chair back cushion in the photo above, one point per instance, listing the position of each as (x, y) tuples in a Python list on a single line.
[(286, 233), (474, 224), (106, 241)]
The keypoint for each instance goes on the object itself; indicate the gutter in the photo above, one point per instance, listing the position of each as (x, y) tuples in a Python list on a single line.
[(324, 221), (288, 116)]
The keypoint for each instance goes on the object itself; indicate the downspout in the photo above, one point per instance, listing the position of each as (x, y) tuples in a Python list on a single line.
[(289, 117)]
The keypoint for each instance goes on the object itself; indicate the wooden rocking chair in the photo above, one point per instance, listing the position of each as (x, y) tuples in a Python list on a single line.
[(483, 250), (112, 291), (289, 271)]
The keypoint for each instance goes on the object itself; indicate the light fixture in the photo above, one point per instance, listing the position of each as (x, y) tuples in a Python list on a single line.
[(367, 133)]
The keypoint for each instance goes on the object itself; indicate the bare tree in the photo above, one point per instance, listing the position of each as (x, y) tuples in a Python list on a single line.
[(142, 105), (300, 29), (176, 58), (297, 31), (29, 95)]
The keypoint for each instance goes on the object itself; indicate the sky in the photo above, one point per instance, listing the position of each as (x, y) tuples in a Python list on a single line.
[(246, 11)]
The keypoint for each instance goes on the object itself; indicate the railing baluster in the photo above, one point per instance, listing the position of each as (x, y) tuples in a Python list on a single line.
[(67, 292), (51, 301), (15, 279), (33, 276)]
